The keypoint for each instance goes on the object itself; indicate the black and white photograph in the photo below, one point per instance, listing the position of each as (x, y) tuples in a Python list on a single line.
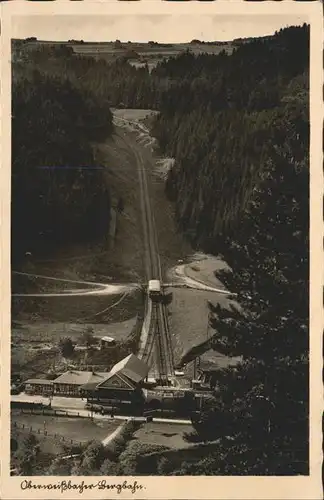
[(160, 255)]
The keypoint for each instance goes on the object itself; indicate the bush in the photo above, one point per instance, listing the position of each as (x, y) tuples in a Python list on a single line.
[(66, 347), (59, 467), (118, 445), (164, 466), (13, 445), (115, 448), (87, 338), (192, 437), (132, 456), (27, 454), (110, 468), (94, 455)]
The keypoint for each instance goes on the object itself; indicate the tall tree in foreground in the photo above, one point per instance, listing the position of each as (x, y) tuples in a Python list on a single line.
[(265, 398)]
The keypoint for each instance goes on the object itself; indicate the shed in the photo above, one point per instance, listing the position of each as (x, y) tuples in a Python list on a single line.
[(107, 341)]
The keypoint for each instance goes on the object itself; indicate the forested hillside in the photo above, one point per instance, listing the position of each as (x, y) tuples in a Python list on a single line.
[(114, 83), (264, 402), (58, 191), (219, 119), (60, 108), (240, 186)]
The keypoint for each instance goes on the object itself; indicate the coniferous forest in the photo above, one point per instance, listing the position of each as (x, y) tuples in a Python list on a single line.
[(240, 188), (238, 128), (58, 190)]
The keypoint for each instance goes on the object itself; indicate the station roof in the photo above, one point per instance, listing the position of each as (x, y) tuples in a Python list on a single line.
[(39, 381), (112, 381), (76, 377), (129, 371), (132, 367)]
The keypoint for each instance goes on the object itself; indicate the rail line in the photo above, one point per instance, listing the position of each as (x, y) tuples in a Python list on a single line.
[(155, 335)]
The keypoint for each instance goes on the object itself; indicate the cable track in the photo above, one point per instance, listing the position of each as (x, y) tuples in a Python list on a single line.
[(158, 335)]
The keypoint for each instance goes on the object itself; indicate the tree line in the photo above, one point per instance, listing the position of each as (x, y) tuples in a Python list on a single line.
[(218, 120)]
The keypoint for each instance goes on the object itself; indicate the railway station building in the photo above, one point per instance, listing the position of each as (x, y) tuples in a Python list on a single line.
[(36, 386), (123, 384), (70, 382)]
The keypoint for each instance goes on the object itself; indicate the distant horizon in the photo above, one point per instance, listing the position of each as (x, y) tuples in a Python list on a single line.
[(162, 29), (135, 42)]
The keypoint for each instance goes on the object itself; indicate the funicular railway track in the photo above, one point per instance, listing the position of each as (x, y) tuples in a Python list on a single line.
[(156, 347)]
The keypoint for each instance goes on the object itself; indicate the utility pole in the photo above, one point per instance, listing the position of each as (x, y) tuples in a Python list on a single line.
[(91, 407), (50, 397), (207, 330)]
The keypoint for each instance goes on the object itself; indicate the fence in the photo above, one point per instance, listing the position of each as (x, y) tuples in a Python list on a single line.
[(45, 411), (44, 433)]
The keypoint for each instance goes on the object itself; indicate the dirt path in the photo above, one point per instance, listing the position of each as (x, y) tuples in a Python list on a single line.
[(98, 288), (113, 434)]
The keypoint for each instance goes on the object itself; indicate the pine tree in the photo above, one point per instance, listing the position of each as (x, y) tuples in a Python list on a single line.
[(266, 396)]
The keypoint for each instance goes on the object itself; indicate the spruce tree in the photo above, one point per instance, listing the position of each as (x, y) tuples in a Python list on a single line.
[(266, 397)]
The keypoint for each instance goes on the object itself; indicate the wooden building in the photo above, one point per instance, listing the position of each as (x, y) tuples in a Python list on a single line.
[(107, 342), (42, 387), (70, 382), (122, 385), (207, 367)]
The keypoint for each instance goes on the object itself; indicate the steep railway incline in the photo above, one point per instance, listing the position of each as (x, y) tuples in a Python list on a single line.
[(155, 345)]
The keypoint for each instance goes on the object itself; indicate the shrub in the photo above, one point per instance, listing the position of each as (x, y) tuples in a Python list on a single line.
[(27, 454), (132, 456), (110, 468), (94, 455), (66, 347), (59, 467), (118, 445)]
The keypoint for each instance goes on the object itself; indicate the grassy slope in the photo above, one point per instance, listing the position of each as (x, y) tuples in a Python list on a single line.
[(164, 434)]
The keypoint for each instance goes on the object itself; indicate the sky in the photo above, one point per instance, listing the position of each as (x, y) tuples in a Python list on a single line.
[(142, 28)]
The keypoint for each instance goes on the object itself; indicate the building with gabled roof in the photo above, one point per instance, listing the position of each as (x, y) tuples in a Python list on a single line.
[(122, 384), (39, 386), (131, 367), (69, 383), (106, 342)]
